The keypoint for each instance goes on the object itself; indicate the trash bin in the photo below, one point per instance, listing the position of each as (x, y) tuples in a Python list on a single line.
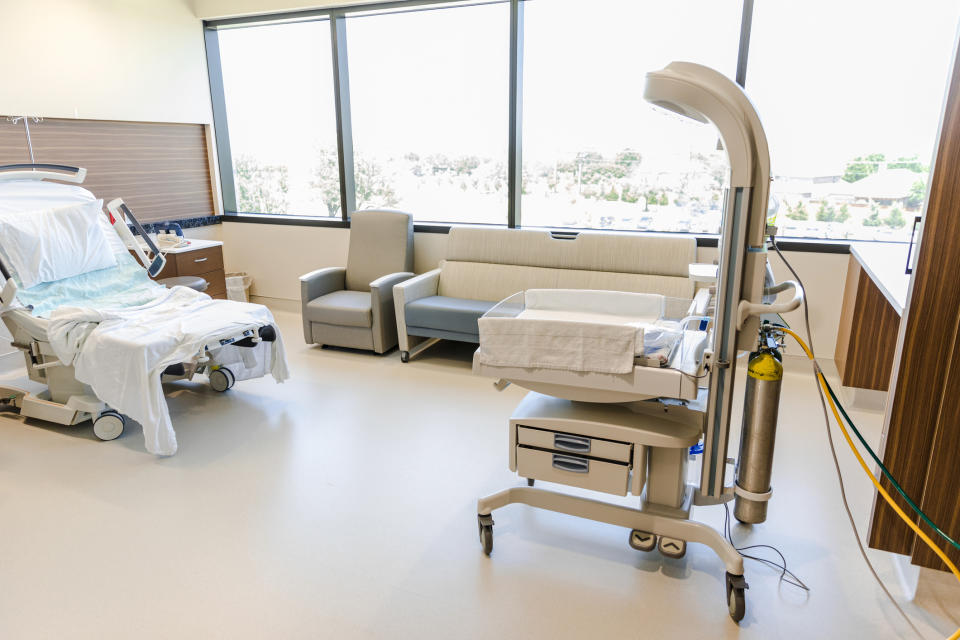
[(238, 286)]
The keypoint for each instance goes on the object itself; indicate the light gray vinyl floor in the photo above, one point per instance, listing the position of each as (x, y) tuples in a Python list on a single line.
[(343, 505)]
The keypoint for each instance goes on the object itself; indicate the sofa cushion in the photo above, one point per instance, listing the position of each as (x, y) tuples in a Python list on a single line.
[(589, 251), (343, 308), (486, 281), (451, 314)]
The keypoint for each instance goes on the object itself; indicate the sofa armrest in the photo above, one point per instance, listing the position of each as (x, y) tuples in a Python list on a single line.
[(321, 282), (421, 286), (384, 318), (700, 302)]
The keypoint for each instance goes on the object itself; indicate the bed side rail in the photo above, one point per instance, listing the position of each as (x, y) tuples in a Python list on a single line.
[(34, 171), (120, 213)]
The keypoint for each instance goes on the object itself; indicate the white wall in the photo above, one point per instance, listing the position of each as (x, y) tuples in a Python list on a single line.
[(275, 255), (140, 60), (209, 9)]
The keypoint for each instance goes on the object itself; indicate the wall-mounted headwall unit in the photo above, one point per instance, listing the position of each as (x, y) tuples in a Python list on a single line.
[(161, 170)]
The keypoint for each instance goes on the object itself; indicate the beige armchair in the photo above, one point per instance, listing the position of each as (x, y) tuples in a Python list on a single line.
[(353, 306)]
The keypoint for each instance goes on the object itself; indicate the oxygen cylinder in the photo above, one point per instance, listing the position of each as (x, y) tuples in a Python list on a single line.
[(761, 402)]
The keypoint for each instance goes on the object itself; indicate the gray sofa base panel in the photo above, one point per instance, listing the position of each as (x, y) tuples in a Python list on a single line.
[(424, 332)]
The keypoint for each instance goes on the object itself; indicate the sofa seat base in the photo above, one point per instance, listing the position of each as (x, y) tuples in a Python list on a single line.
[(446, 317)]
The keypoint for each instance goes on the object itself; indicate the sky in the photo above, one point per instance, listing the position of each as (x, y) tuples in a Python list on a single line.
[(830, 79)]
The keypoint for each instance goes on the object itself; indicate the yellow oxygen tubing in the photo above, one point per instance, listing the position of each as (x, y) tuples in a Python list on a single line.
[(886, 496)]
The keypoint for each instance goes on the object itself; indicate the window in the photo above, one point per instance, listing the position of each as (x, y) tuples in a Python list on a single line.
[(428, 99), (278, 90), (595, 154), (850, 95)]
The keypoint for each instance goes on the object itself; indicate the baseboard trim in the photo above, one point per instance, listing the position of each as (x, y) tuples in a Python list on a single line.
[(280, 304)]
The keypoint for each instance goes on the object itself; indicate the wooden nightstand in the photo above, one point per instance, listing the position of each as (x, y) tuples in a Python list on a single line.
[(203, 258)]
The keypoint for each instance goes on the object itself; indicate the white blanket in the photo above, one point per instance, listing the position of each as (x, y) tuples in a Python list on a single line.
[(121, 353)]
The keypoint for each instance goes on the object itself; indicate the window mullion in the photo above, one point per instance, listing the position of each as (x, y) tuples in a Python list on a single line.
[(341, 90)]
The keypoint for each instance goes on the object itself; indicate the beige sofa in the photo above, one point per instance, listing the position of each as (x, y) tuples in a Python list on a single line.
[(484, 266)]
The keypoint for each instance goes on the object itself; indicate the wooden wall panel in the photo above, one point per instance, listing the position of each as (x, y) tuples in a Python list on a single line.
[(161, 170), (868, 359), (921, 444), (845, 328)]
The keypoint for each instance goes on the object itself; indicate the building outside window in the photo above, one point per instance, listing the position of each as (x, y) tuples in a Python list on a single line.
[(428, 96), (850, 95), (595, 154)]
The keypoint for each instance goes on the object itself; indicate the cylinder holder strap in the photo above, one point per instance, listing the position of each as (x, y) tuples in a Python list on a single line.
[(750, 495)]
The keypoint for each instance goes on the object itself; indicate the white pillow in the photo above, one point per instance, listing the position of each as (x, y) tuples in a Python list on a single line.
[(56, 243)]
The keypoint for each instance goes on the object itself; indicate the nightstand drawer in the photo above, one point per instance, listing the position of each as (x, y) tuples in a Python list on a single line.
[(216, 285), (196, 263)]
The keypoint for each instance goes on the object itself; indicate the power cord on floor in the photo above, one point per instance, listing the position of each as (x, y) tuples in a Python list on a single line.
[(782, 565), (833, 450)]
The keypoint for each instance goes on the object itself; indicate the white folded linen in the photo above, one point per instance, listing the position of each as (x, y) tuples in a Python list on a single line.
[(557, 344), (121, 353)]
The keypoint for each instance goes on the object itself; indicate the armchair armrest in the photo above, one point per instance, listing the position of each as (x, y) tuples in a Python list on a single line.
[(384, 284), (315, 284), (421, 286), (381, 303), (321, 282)]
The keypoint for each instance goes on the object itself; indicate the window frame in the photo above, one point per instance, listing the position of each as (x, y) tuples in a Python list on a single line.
[(337, 20)]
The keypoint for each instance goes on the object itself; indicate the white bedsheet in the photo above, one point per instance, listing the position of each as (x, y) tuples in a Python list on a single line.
[(121, 353)]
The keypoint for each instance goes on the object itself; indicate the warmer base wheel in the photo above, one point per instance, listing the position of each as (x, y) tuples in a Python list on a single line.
[(485, 526), (736, 598)]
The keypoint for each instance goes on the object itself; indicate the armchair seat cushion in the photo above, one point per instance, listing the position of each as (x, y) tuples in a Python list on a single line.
[(342, 308), (458, 315)]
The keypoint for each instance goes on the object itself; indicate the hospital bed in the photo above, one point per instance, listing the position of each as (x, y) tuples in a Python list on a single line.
[(61, 326), (622, 385)]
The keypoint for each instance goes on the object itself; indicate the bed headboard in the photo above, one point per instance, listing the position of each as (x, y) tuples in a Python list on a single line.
[(161, 170)]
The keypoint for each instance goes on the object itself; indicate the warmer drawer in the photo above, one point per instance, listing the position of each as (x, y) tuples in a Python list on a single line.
[(577, 445), (576, 471)]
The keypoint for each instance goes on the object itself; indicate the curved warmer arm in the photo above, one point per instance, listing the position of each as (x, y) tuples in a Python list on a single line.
[(747, 309)]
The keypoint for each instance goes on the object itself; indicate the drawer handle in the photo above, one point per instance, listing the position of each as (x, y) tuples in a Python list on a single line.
[(571, 443), (200, 260), (569, 463)]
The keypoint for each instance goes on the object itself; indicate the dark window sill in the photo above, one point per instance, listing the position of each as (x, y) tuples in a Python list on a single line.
[(807, 245)]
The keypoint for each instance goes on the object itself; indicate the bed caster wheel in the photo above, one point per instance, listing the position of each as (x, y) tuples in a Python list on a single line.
[(109, 425), (404, 356), (736, 600), (221, 379), (530, 482), (485, 526), (672, 548), (643, 540)]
